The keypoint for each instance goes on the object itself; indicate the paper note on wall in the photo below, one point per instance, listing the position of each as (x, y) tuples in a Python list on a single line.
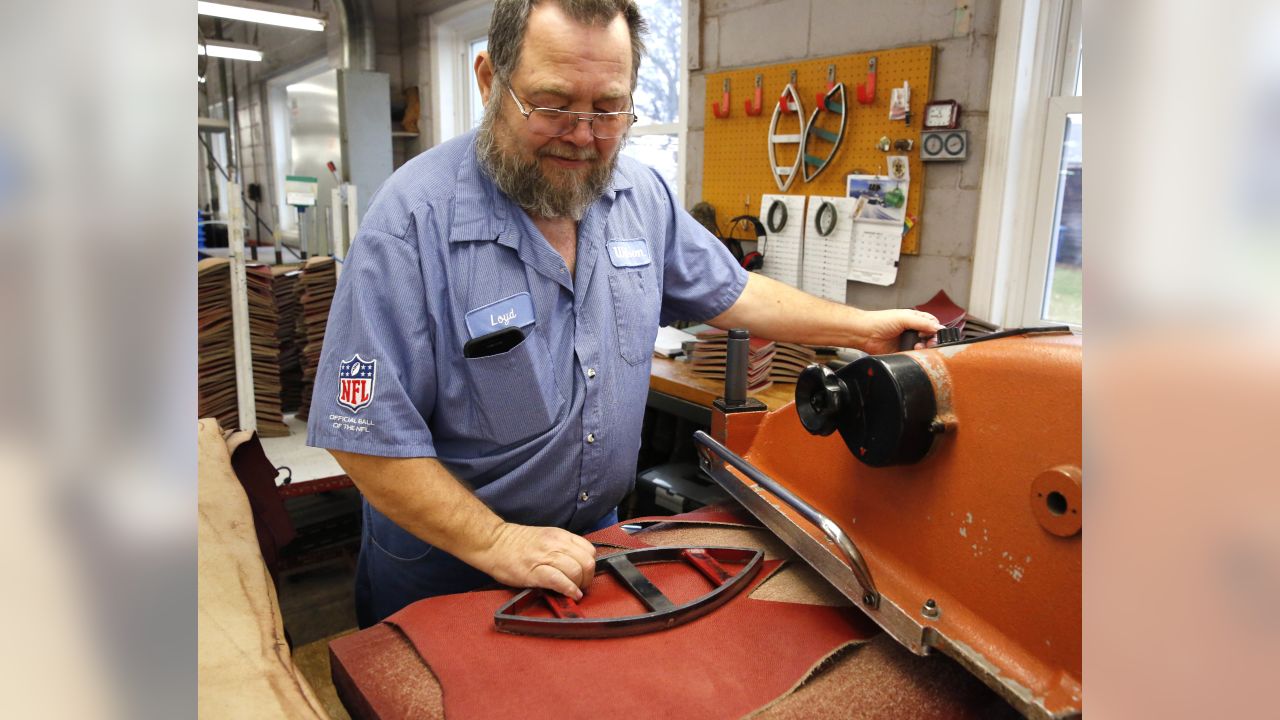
[(828, 233), (879, 213), (876, 249), (783, 247)]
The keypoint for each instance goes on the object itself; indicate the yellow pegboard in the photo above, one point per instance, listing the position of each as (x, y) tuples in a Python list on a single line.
[(735, 169)]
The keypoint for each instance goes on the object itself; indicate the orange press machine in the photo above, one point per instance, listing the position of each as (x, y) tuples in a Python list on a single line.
[(940, 490)]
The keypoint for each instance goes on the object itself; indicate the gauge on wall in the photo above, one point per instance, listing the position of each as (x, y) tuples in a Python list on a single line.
[(942, 115), (944, 145)]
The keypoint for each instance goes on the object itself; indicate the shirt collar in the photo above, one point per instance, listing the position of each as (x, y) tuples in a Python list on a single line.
[(482, 212)]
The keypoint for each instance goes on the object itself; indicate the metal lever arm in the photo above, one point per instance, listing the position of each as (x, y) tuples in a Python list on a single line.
[(709, 447)]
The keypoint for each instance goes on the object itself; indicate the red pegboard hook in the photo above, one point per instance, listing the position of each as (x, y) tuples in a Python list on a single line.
[(721, 109), (756, 104), (867, 90), (784, 100), (831, 83)]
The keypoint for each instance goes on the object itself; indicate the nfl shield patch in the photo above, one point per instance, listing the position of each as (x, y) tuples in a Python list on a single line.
[(355, 382)]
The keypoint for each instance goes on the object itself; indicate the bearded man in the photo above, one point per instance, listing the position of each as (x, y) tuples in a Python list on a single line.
[(486, 363)]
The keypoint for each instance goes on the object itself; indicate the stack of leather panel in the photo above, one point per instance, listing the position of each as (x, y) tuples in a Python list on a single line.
[(216, 366), (285, 290), (789, 360), (264, 340), (710, 352), (315, 294)]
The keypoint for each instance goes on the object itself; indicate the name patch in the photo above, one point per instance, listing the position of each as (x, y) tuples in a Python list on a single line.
[(514, 311), (628, 253)]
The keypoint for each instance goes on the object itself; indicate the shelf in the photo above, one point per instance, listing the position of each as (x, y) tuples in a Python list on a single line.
[(204, 124), (403, 134)]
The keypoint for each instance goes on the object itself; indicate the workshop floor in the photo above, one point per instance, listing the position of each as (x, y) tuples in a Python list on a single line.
[(317, 605)]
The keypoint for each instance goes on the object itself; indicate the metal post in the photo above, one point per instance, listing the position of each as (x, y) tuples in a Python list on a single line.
[(326, 238), (302, 232), (277, 237), (353, 215), (240, 309), (735, 368), (737, 358), (337, 213)]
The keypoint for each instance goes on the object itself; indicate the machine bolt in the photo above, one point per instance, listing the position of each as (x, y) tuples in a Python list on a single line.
[(868, 599), (930, 609)]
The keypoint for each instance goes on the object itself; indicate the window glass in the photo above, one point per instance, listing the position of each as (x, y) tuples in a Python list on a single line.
[(661, 152), (658, 86), (654, 139), (1064, 295)]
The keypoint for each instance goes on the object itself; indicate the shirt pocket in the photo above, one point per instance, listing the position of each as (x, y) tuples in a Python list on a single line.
[(635, 311), (516, 392)]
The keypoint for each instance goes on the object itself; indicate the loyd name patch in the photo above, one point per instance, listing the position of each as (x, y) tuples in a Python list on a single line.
[(514, 311), (355, 382), (628, 253)]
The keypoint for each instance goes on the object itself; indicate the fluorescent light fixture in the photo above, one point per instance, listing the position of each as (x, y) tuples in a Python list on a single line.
[(260, 12), (229, 50)]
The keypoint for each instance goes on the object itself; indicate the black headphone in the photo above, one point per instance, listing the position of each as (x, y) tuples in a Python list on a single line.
[(752, 260)]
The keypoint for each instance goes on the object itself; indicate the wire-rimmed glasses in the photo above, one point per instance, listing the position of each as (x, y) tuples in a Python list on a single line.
[(554, 123)]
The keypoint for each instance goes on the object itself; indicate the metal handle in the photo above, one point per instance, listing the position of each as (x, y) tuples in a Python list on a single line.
[(870, 596)]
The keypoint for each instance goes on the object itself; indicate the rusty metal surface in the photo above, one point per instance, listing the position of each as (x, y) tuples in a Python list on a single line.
[(963, 527)]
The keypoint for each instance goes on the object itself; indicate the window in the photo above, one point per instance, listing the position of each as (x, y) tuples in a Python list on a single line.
[(457, 36), (1028, 263), (1055, 291), (660, 90)]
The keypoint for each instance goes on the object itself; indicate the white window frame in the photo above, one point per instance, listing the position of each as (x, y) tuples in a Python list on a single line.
[(1031, 96), (452, 31)]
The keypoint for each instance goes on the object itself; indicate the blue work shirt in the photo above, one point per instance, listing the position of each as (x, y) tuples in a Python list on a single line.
[(548, 432)]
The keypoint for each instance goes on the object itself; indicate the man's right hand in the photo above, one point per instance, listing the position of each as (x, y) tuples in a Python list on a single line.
[(544, 557)]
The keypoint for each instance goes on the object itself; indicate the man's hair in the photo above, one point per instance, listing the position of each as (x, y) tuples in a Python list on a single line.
[(511, 20)]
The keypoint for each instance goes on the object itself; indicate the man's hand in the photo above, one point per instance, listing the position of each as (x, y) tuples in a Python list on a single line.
[(777, 311), (884, 327), (545, 557)]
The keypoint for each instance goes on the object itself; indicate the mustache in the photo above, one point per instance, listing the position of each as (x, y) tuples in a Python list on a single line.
[(569, 152)]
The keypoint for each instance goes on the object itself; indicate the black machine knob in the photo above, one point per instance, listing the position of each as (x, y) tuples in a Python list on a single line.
[(883, 406), (948, 335), (821, 399)]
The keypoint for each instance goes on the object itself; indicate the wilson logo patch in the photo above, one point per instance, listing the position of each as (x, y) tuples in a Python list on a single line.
[(355, 382)]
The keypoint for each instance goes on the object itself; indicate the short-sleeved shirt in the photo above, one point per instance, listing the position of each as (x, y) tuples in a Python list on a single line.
[(546, 433)]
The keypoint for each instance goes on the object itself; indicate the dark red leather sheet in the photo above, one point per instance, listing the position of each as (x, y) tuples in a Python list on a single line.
[(736, 659), (743, 657)]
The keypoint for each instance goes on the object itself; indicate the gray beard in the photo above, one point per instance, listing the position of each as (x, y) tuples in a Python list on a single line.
[(523, 180)]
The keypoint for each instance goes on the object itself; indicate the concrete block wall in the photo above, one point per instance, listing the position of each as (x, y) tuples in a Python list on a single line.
[(744, 33)]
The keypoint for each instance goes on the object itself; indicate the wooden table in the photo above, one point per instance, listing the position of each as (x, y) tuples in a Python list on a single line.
[(674, 388)]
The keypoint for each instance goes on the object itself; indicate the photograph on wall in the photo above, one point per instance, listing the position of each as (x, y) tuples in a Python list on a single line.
[(880, 199)]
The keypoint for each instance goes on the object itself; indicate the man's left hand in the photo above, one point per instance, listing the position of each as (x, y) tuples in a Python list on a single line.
[(885, 327)]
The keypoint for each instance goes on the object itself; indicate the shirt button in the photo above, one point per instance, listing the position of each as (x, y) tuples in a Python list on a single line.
[(591, 437), (583, 497), (591, 372)]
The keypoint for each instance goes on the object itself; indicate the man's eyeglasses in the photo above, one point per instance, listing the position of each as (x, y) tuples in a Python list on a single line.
[(554, 123)]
